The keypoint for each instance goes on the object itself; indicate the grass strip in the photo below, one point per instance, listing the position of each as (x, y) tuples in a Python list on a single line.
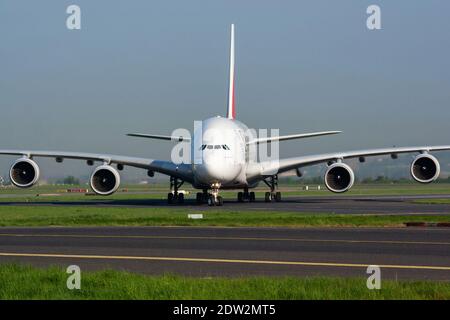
[(27, 282), (97, 216)]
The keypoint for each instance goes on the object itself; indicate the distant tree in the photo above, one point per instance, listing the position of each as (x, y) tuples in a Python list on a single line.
[(312, 180), (367, 180), (69, 180), (444, 180), (381, 179)]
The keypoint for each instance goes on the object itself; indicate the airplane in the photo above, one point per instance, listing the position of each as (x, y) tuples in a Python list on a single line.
[(223, 139)]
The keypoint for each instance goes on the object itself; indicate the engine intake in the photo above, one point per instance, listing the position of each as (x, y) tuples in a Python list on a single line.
[(339, 177), (105, 180), (24, 173), (425, 168)]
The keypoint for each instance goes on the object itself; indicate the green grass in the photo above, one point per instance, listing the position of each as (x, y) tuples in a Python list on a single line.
[(94, 216), (433, 201), (26, 282), (87, 216), (160, 192)]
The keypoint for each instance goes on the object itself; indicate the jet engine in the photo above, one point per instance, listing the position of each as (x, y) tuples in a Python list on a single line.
[(425, 168), (105, 180), (339, 177), (24, 173)]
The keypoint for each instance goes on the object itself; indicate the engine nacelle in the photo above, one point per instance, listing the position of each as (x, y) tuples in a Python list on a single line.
[(339, 177), (425, 168), (24, 173), (105, 180)]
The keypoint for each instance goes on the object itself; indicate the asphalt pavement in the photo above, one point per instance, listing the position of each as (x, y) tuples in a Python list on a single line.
[(401, 253)]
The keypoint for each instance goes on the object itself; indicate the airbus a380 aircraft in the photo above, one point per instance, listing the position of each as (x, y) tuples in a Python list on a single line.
[(223, 146)]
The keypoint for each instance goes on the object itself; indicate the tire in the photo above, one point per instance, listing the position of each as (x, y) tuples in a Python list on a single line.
[(180, 198), (211, 201), (268, 197), (170, 198), (219, 201), (252, 197), (278, 197), (240, 197), (199, 198)]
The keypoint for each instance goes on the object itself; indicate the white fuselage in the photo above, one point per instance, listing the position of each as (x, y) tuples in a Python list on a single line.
[(219, 153)]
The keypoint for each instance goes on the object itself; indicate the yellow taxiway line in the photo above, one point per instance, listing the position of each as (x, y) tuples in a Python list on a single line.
[(237, 261), (223, 238)]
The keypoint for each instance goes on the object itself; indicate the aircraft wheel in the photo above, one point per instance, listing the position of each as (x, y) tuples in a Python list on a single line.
[(252, 197), (240, 197), (268, 197), (180, 198), (211, 201), (219, 201), (170, 198), (199, 198), (278, 197)]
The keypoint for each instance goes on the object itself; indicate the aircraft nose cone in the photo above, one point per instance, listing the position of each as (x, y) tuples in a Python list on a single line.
[(217, 170)]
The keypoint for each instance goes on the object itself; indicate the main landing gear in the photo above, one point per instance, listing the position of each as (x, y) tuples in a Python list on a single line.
[(246, 196), (273, 195), (174, 196), (202, 197)]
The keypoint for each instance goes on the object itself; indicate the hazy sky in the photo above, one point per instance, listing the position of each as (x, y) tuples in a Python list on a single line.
[(152, 66)]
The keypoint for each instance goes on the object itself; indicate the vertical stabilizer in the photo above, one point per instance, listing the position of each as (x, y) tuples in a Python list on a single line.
[(231, 112)]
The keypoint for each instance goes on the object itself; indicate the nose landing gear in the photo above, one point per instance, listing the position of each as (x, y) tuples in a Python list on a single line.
[(214, 199)]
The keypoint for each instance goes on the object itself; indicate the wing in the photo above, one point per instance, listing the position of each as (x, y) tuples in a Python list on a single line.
[(293, 136), (158, 136), (269, 167), (182, 171)]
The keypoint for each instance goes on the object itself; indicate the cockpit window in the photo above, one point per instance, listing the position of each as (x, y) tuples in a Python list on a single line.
[(215, 147)]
